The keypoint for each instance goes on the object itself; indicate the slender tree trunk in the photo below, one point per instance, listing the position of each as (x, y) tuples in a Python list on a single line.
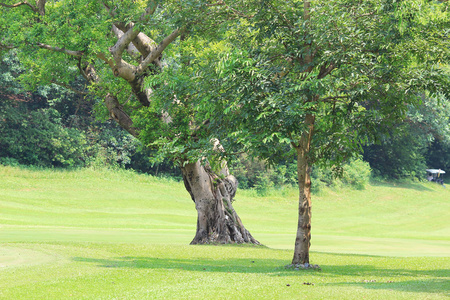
[(217, 221), (303, 238)]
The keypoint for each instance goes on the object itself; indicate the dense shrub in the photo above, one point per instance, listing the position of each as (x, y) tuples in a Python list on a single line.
[(356, 174), (401, 156), (254, 173), (38, 138)]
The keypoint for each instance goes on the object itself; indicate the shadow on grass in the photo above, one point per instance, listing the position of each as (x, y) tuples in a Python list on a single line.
[(200, 265), (415, 286), (364, 275), (372, 277)]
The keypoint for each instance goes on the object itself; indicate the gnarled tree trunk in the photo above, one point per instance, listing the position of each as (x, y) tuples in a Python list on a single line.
[(217, 221)]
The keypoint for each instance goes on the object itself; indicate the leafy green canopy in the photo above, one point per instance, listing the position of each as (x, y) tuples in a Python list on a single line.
[(67, 37), (355, 66)]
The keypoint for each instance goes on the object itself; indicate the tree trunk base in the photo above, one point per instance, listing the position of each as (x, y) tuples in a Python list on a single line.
[(305, 266), (217, 221)]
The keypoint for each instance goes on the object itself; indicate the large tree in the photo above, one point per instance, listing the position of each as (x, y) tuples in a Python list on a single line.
[(116, 46), (324, 77)]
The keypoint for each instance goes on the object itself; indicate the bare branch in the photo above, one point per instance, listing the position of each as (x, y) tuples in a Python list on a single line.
[(158, 50), (131, 49), (103, 57), (142, 42), (62, 50), (122, 68), (112, 103), (122, 44), (117, 113), (19, 4)]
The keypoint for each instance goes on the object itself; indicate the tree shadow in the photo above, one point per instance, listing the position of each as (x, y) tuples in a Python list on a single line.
[(370, 276), (194, 264), (438, 286)]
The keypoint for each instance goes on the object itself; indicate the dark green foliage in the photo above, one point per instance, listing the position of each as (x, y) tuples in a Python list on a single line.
[(38, 138), (397, 157), (418, 143), (254, 173), (141, 161), (354, 174), (438, 156), (53, 127)]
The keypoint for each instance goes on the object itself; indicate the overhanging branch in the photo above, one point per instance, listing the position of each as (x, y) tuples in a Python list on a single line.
[(39, 8), (19, 4), (62, 50), (2, 46)]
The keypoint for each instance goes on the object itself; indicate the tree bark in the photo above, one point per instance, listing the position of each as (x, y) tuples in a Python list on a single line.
[(217, 221), (303, 238)]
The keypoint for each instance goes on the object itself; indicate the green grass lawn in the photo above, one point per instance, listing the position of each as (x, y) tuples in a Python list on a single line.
[(99, 234)]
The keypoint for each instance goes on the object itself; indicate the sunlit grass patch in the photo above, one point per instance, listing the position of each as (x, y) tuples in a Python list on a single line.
[(102, 234)]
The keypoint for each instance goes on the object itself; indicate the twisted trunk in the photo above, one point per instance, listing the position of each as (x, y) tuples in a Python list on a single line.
[(217, 221)]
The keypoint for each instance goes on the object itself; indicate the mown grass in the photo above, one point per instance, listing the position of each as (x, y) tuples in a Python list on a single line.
[(99, 234)]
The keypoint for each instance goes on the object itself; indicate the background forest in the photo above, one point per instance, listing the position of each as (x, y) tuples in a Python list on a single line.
[(53, 126), (44, 123)]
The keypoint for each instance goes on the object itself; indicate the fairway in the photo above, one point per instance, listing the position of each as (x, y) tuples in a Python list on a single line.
[(101, 234)]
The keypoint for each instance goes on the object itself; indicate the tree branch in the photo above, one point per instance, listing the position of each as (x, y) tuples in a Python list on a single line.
[(2, 46), (236, 12), (332, 99), (19, 4), (288, 23), (122, 68), (324, 70), (103, 57), (122, 43), (218, 3), (142, 42), (116, 112), (62, 50), (112, 103), (155, 53), (39, 8), (131, 49)]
